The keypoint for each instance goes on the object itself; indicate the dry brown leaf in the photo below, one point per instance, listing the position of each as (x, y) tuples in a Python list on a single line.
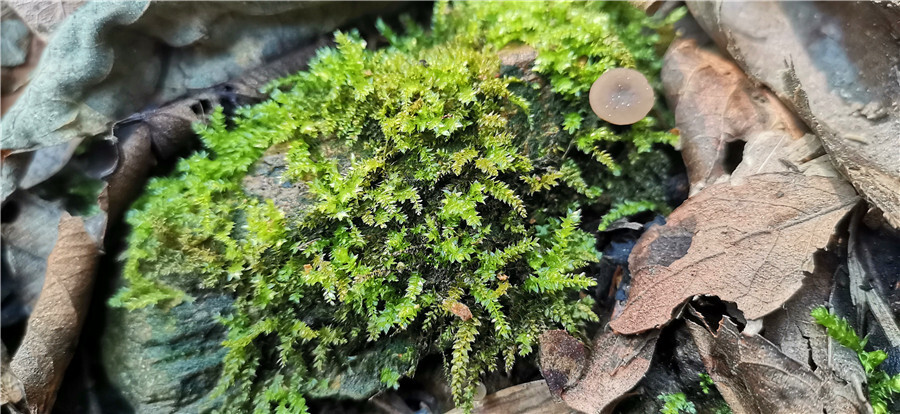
[(755, 377), (528, 398), (717, 108), (836, 64), (792, 329), (562, 359), (53, 329), (459, 309), (617, 364), (11, 391), (749, 243)]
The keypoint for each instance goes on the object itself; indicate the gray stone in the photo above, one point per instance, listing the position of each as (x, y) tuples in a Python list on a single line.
[(167, 360)]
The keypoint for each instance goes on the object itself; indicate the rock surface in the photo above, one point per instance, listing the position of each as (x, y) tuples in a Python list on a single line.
[(166, 362)]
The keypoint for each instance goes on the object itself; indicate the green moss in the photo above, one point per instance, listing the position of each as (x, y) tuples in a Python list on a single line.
[(676, 403), (882, 386), (450, 223)]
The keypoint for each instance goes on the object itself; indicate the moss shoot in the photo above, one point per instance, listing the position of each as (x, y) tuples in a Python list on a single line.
[(447, 192)]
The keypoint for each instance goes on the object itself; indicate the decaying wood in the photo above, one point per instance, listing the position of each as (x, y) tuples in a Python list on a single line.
[(53, 329)]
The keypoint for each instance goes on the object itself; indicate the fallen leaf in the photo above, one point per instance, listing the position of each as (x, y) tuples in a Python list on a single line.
[(792, 329), (53, 329), (867, 287), (749, 243), (47, 161), (562, 359), (43, 16), (459, 309), (528, 398), (14, 79), (836, 64), (196, 45), (755, 377), (11, 391), (725, 120), (617, 364), (28, 237)]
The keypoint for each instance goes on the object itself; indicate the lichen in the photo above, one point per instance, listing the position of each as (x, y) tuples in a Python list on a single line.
[(451, 223)]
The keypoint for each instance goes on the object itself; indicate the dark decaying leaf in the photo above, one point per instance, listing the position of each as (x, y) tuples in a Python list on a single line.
[(528, 398), (749, 243), (54, 326), (755, 377), (617, 364), (562, 359), (867, 286), (836, 64), (161, 134), (28, 237)]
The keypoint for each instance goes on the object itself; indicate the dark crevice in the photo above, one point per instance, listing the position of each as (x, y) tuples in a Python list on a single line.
[(9, 212), (809, 350), (202, 107), (734, 154)]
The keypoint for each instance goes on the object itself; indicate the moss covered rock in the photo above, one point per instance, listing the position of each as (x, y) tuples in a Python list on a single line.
[(434, 196)]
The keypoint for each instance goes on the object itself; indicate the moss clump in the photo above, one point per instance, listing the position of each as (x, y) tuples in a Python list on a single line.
[(451, 222)]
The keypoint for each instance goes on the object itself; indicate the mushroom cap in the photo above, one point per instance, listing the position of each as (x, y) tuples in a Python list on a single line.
[(621, 96)]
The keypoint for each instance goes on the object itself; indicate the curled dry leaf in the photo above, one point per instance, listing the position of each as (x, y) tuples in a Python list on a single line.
[(836, 64), (52, 332), (161, 134), (749, 243), (755, 377), (617, 364), (718, 111), (528, 398)]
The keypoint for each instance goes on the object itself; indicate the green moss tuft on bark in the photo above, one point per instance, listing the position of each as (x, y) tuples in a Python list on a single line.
[(450, 221)]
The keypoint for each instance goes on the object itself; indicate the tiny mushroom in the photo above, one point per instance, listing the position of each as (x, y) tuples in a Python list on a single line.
[(621, 96)]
